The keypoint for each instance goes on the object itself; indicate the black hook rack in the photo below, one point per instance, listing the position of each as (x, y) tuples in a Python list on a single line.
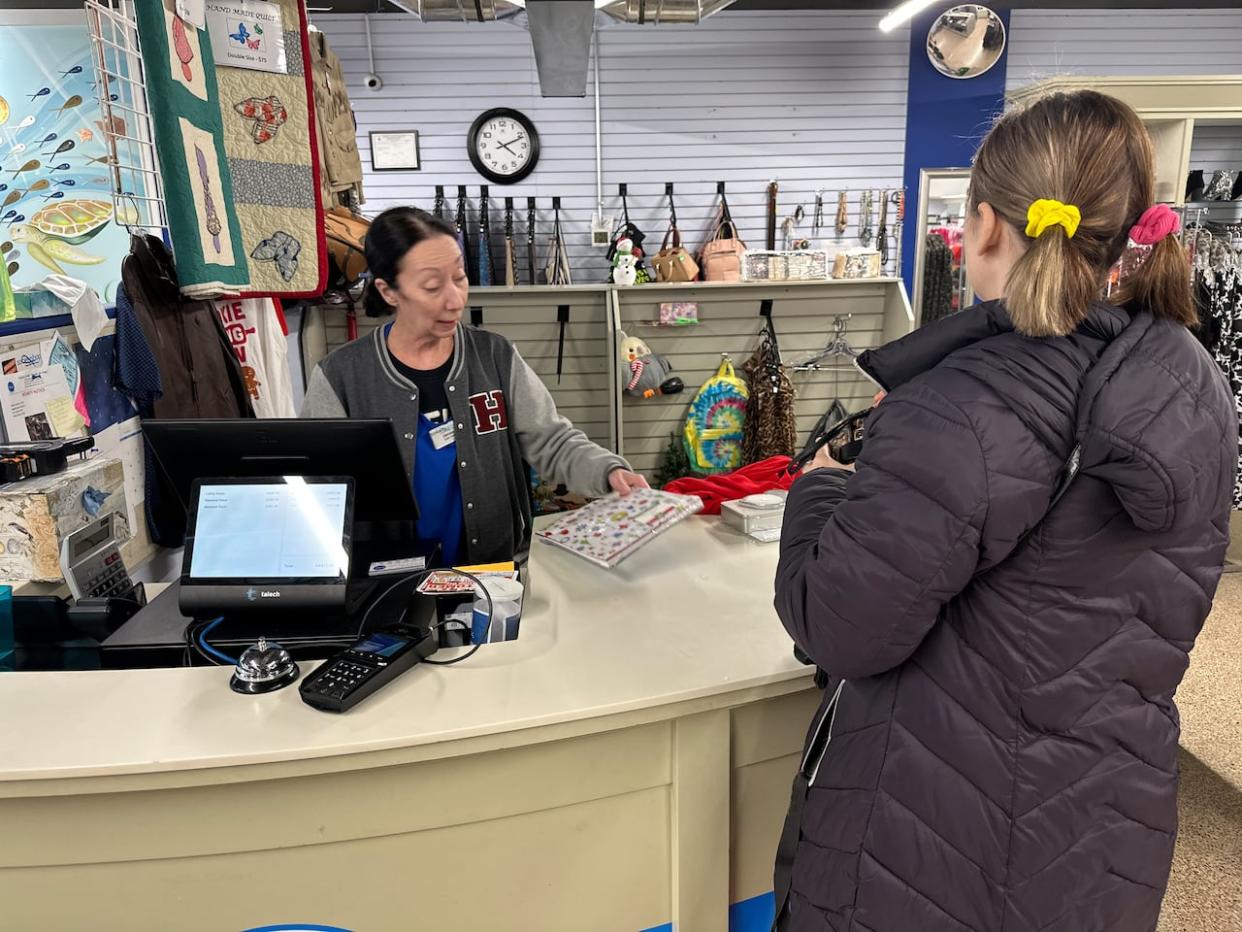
[(440, 191), (483, 190), (476, 316), (461, 191), (720, 187), (556, 203), (765, 308), (508, 203), (623, 189), (672, 207)]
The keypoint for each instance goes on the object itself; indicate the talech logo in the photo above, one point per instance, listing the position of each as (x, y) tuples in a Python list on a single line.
[(252, 595), (269, 594)]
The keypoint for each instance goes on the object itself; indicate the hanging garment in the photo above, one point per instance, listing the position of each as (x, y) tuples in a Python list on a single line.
[(1223, 291), (255, 331), (771, 239), (463, 236), (340, 175), (763, 476), (937, 280), (198, 374), (771, 424)]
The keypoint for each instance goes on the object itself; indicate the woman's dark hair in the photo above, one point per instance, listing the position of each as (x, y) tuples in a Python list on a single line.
[(392, 234)]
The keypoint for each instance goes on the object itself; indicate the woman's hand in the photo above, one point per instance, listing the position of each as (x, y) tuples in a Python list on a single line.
[(823, 460), (624, 482)]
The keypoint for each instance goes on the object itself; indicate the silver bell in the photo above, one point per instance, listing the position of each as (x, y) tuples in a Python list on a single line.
[(262, 668)]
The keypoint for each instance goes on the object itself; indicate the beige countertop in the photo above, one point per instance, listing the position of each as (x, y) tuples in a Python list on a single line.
[(687, 618)]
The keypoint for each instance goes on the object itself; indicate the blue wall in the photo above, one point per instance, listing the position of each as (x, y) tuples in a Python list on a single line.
[(945, 120)]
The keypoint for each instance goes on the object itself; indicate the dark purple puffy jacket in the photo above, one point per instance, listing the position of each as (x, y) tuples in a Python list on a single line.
[(1004, 749)]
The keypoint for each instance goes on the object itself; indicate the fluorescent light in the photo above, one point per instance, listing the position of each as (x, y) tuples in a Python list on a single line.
[(600, 4), (904, 12)]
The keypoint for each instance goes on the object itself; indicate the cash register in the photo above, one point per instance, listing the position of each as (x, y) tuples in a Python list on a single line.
[(258, 557)]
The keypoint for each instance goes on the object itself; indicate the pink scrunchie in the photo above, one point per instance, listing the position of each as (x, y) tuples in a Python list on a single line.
[(1156, 223)]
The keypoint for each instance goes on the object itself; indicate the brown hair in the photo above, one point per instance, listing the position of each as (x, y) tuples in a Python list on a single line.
[(1094, 152)]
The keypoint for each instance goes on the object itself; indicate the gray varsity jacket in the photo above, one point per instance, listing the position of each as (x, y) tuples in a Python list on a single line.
[(504, 415)]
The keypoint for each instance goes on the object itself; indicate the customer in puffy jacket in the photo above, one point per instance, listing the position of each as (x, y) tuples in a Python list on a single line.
[(1003, 750)]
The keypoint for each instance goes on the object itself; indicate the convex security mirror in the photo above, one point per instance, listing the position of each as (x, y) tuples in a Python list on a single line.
[(966, 41)]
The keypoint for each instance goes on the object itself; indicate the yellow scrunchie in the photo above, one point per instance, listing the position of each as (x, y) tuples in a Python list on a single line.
[(1046, 213)]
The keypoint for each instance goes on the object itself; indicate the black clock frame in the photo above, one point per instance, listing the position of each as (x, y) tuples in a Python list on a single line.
[(472, 149)]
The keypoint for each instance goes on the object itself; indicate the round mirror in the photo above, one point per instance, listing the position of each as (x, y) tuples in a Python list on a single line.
[(966, 41)]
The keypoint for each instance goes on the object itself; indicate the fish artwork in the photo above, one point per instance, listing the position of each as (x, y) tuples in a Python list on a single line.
[(181, 44), (69, 104), (9, 215), (30, 166), (69, 182), (15, 254), (100, 160), (13, 198), (114, 127), (17, 148), (54, 196), (41, 92), (27, 121), (76, 69), (63, 166), (64, 147), (214, 226), (3, 187), (112, 98), (41, 185), (13, 267), (5, 248), (85, 135), (50, 137)]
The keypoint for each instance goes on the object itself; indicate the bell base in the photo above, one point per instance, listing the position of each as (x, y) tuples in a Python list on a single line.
[(254, 688)]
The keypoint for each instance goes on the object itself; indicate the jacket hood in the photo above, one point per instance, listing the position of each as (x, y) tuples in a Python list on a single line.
[(1151, 409)]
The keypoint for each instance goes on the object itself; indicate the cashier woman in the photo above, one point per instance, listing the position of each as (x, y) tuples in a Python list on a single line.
[(467, 409)]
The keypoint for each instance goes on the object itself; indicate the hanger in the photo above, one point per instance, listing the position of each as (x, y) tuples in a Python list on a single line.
[(838, 347)]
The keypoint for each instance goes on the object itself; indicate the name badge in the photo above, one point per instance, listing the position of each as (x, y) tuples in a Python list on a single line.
[(443, 436)]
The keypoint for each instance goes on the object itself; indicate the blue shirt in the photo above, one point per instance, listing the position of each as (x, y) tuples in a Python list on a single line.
[(437, 489)]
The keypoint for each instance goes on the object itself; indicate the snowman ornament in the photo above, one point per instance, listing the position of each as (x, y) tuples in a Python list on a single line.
[(624, 263)]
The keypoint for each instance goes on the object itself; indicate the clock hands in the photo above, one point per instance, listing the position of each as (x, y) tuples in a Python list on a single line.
[(506, 145)]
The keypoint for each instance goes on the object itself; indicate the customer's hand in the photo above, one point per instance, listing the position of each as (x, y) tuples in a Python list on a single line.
[(823, 460), (625, 482)]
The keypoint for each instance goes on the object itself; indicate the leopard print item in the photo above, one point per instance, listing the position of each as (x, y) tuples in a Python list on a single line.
[(1223, 290), (771, 427)]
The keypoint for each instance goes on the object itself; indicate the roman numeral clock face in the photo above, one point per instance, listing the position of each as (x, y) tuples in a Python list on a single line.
[(503, 146)]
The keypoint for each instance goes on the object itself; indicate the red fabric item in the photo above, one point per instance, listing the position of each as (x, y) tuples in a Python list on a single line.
[(763, 476)]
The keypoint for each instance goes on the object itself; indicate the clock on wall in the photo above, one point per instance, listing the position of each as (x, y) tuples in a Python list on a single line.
[(503, 145)]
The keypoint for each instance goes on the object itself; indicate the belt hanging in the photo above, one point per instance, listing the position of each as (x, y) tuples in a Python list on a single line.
[(438, 207), (510, 273), (843, 213), (463, 240), (486, 272), (882, 233), (562, 316), (530, 240), (772, 189)]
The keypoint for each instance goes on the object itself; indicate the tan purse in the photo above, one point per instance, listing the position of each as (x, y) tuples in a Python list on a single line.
[(674, 263), (722, 255)]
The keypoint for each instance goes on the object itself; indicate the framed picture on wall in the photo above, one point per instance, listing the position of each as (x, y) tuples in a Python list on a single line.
[(395, 151)]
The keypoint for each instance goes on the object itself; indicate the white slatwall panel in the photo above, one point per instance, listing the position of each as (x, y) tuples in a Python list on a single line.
[(812, 99), (1047, 43)]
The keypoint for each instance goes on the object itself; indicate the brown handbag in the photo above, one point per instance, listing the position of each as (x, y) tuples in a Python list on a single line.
[(674, 263)]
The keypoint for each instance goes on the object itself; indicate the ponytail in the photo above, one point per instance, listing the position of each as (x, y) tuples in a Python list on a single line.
[(373, 303), (1051, 286), (1161, 284)]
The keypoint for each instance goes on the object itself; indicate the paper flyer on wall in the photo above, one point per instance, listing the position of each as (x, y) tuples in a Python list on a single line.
[(123, 441), (35, 399)]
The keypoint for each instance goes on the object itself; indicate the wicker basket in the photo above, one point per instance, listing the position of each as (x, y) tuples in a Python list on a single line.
[(804, 265)]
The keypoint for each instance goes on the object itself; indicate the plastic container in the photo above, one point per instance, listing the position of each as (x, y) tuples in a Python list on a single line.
[(8, 657), (506, 614)]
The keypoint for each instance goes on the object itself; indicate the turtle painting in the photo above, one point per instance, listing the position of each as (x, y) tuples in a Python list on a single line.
[(53, 234)]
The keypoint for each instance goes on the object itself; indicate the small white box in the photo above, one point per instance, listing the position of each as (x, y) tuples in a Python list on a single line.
[(762, 512)]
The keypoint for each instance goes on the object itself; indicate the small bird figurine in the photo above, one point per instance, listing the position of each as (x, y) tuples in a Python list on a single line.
[(648, 373)]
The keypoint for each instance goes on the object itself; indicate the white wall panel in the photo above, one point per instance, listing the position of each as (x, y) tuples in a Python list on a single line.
[(811, 99), (1047, 43)]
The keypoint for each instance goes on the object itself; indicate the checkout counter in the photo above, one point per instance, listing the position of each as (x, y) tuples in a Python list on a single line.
[(624, 764)]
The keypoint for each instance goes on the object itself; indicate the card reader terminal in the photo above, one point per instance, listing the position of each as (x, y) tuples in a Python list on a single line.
[(346, 679)]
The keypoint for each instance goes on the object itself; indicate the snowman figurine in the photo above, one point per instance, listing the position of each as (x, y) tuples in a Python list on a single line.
[(624, 263)]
